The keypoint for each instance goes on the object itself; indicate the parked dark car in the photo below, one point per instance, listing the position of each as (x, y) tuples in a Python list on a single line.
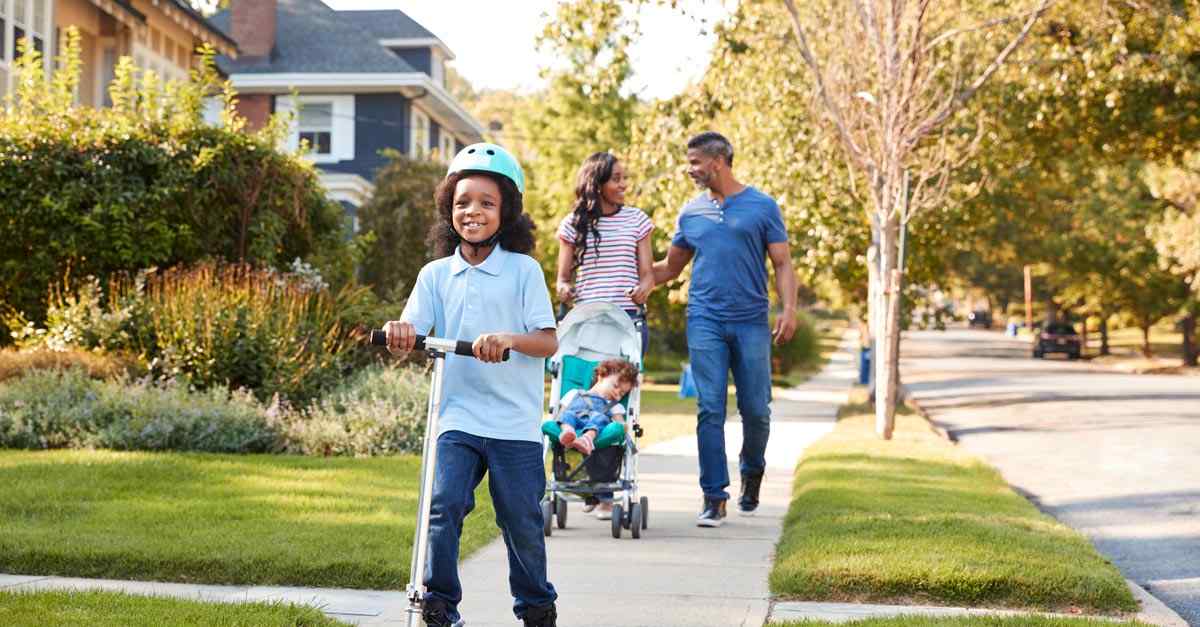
[(1059, 337), (979, 318)]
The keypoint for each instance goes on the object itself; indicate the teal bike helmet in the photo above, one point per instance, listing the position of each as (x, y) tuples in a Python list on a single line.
[(488, 157)]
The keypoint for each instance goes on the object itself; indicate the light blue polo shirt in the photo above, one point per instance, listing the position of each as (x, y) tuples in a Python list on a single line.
[(504, 294), (729, 242)]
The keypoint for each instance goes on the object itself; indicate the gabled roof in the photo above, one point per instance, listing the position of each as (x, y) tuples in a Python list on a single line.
[(313, 38), (388, 24)]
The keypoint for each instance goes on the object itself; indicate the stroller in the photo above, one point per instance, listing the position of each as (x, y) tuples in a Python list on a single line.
[(589, 334)]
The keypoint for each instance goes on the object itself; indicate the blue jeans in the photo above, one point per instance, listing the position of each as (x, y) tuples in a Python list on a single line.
[(587, 412), (517, 483), (714, 348)]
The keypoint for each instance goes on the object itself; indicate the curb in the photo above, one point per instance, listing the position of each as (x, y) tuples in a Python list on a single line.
[(1153, 610)]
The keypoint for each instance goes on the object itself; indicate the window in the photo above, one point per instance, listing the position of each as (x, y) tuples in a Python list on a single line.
[(420, 134), (325, 123), (20, 19), (316, 127), (446, 146)]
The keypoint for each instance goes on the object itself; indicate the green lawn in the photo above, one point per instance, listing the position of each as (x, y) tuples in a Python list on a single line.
[(981, 621), (916, 520), (104, 609), (225, 519), (1164, 342)]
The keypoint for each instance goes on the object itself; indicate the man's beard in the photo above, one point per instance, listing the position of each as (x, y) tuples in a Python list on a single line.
[(701, 180)]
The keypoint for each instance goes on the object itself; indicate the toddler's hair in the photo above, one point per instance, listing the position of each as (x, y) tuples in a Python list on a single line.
[(622, 368)]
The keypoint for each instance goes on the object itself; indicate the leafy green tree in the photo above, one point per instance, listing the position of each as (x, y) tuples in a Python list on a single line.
[(1176, 234), (397, 219)]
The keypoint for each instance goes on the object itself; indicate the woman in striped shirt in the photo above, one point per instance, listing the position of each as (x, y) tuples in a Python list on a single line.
[(604, 255), (604, 246)]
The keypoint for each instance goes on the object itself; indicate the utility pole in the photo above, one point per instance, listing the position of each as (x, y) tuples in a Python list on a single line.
[(1028, 297)]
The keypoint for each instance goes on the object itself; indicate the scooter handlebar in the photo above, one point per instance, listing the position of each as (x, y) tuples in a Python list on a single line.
[(458, 347)]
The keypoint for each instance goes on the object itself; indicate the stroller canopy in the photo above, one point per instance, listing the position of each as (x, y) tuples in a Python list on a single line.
[(598, 331)]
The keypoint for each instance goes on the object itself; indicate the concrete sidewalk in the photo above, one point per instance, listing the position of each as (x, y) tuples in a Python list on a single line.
[(676, 574)]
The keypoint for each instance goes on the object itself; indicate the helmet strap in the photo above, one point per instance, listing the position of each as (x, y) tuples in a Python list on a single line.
[(487, 243)]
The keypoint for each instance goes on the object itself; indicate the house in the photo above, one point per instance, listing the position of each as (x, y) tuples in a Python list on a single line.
[(363, 81), (160, 35)]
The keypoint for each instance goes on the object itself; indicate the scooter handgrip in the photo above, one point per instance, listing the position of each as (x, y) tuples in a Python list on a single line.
[(461, 347), (464, 348), (378, 337)]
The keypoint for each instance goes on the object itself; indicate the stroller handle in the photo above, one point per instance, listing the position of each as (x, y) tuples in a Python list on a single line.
[(458, 347)]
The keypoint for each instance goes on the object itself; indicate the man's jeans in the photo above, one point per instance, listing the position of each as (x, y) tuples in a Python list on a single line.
[(517, 483), (714, 348)]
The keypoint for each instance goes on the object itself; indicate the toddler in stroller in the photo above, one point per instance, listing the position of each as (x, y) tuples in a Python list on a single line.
[(595, 385)]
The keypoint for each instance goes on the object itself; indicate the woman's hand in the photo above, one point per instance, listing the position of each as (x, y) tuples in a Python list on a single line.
[(490, 347), (640, 294), (566, 292), (401, 337)]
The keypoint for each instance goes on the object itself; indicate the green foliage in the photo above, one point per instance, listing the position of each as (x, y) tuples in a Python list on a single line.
[(146, 182), (98, 608), (1176, 234), (582, 110), (379, 412), (225, 326), (803, 351), (398, 217)]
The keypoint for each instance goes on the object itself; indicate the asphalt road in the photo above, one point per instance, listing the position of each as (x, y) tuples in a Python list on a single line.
[(1116, 456)]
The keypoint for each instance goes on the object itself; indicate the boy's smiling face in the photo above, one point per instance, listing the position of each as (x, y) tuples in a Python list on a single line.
[(476, 211)]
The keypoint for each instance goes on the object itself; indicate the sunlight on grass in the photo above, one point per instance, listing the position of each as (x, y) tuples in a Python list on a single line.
[(111, 609), (918, 520), (239, 519), (973, 621)]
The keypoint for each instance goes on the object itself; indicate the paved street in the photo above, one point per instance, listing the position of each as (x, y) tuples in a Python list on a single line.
[(1116, 456)]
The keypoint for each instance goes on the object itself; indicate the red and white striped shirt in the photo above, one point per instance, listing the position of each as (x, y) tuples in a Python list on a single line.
[(609, 270)]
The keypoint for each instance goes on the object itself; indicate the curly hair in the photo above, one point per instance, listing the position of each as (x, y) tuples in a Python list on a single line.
[(516, 229), (596, 170), (625, 370)]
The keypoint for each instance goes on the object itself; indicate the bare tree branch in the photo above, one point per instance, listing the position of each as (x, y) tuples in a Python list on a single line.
[(834, 111), (950, 34)]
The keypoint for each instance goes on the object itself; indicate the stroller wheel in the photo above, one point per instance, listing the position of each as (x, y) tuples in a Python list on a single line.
[(560, 511), (618, 515), (635, 521), (547, 512), (645, 503)]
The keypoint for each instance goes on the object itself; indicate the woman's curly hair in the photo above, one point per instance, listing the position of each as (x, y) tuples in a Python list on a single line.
[(596, 170), (516, 229), (625, 370)]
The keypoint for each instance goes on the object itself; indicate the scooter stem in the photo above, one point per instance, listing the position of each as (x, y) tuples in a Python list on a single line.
[(416, 572)]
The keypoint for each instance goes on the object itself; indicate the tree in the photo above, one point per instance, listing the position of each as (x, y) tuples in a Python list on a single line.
[(892, 78), (397, 219), (1176, 234), (581, 111)]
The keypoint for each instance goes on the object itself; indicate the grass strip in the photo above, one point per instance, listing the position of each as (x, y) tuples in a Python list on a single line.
[(222, 519), (971, 621), (916, 520), (104, 609)]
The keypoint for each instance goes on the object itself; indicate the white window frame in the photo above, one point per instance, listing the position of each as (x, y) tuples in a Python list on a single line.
[(341, 141), (420, 130), (446, 143), (301, 129), (44, 30)]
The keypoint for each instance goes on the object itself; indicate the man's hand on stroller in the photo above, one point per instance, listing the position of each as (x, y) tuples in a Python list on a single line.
[(401, 337), (490, 347)]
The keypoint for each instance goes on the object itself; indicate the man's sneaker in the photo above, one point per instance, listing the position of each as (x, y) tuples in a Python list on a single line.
[(545, 616), (713, 514), (435, 614), (748, 504)]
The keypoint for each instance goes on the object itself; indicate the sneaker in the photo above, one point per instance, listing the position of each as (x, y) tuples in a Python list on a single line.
[(589, 504), (541, 616), (435, 614), (748, 504), (604, 511), (713, 514)]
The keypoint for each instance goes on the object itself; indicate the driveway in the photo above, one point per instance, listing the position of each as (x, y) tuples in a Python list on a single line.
[(1116, 456)]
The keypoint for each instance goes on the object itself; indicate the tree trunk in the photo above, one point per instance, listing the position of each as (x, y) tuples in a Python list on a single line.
[(1146, 352), (1083, 343), (888, 337), (1190, 357), (1104, 335), (1051, 311)]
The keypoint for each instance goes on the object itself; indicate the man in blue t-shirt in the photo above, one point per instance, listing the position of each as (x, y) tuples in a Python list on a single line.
[(729, 230)]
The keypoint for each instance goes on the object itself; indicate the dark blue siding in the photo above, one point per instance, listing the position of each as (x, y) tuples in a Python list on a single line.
[(420, 58), (435, 132), (381, 121)]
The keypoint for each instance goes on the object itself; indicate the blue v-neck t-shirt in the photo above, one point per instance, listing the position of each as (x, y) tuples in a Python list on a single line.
[(729, 244)]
